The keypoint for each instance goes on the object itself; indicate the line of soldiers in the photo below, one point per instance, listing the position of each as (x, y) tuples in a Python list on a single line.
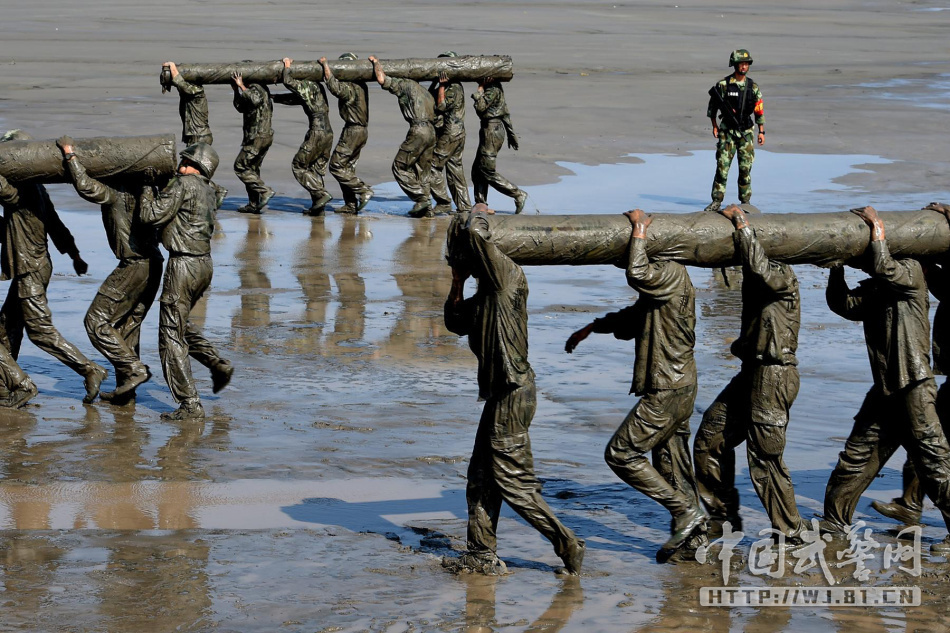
[(136, 217), (902, 407), (428, 165)]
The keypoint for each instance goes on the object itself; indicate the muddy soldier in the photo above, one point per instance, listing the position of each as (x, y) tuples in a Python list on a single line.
[(255, 103), (448, 172), (663, 321), (30, 219), (754, 406), (114, 320), (495, 319), (185, 211), (738, 101), (492, 110), (900, 408), (353, 99)]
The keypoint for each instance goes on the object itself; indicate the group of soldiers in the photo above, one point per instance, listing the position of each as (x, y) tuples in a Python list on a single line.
[(428, 166)]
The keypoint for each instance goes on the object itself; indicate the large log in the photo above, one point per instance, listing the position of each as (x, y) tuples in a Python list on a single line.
[(103, 157), (465, 68), (706, 239)]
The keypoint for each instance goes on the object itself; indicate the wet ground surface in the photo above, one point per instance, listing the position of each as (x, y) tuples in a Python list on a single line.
[(328, 480)]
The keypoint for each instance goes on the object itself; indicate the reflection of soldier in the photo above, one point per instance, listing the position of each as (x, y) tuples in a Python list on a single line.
[(480, 605), (450, 141), (737, 98), (255, 298), (114, 320), (256, 105), (30, 219), (496, 124), (412, 166), (754, 407), (495, 320), (354, 110), (663, 321), (185, 210), (310, 161), (350, 320), (899, 410)]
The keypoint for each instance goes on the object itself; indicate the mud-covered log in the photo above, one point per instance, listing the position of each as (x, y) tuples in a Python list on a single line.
[(706, 239), (465, 68), (103, 157)]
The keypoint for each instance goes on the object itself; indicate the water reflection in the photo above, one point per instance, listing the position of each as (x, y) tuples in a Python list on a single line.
[(350, 322), (481, 598), (254, 287)]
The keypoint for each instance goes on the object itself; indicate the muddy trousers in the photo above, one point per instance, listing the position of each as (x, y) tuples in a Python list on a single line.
[(729, 145), (905, 418), (26, 308), (412, 166), (114, 320), (448, 173), (753, 408), (344, 159), (491, 138), (190, 139), (912, 495), (186, 279), (658, 424), (310, 162), (502, 469), (247, 167)]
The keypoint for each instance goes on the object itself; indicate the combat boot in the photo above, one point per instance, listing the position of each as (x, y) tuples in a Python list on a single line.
[(186, 411), (221, 376), (442, 209), (265, 198), (21, 394), (319, 204), (93, 376), (573, 556), (136, 377), (486, 563), (364, 199), (683, 526), (898, 511), (421, 209), (713, 207), (520, 198), (347, 209)]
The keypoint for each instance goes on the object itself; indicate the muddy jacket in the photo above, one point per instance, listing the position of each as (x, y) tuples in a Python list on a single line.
[(451, 111), (256, 105), (490, 103), (771, 306), (663, 321), (354, 100), (938, 282), (894, 307), (415, 102), (193, 108), (745, 100), (185, 208), (312, 97), (29, 217), (128, 237), (495, 318)]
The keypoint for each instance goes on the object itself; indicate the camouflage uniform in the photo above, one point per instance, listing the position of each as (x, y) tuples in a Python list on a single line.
[(310, 161), (412, 166), (492, 110), (256, 105), (193, 109), (732, 140), (354, 110), (447, 164)]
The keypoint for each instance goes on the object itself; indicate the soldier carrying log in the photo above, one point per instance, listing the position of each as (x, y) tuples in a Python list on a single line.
[(255, 104)]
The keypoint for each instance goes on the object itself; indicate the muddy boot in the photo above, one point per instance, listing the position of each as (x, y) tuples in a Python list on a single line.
[(136, 377), (265, 198), (249, 208), (21, 394), (713, 206), (898, 511), (520, 198), (186, 411), (347, 209), (364, 199), (573, 557), (93, 377), (941, 548), (221, 376), (442, 209), (486, 563), (687, 553), (716, 525), (684, 525), (421, 209), (319, 204)]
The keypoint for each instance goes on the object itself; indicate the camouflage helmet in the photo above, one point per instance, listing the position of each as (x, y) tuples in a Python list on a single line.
[(203, 156), (349, 56), (740, 55), (449, 54)]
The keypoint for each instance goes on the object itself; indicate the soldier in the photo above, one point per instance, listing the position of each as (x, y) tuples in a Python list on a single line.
[(492, 110), (412, 166), (663, 320), (495, 320), (255, 103), (449, 143), (754, 406), (899, 410), (114, 320), (310, 161), (185, 211), (738, 100), (354, 110), (30, 219)]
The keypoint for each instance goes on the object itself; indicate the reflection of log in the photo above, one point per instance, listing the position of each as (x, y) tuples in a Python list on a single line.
[(706, 239), (42, 161), (467, 68)]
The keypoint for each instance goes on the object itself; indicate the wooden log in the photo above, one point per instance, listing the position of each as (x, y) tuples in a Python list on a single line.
[(706, 239), (464, 68), (103, 157)]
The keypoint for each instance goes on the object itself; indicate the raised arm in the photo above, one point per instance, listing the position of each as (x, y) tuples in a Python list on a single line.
[(9, 194), (159, 211), (841, 299), (179, 82), (772, 276), (659, 280), (87, 187), (898, 274)]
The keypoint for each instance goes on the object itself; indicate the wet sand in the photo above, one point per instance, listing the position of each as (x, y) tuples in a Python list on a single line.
[(328, 480)]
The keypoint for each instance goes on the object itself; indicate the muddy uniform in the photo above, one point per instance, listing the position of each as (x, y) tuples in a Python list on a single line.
[(114, 319), (447, 167), (492, 110), (354, 110), (899, 410), (256, 105), (745, 99), (412, 166), (663, 321), (193, 109), (754, 406), (310, 161), (30, 218), (495, 319), (185, 210)]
